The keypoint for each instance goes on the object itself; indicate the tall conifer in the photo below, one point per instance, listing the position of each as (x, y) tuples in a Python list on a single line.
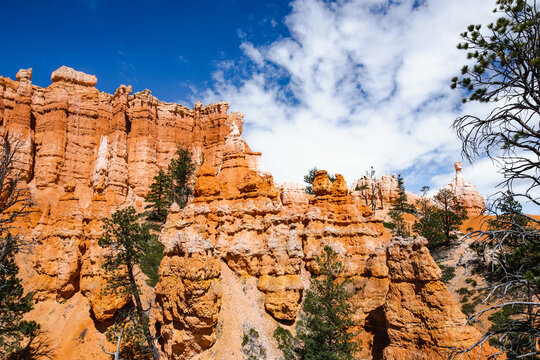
[(325, 329), (159, 197)]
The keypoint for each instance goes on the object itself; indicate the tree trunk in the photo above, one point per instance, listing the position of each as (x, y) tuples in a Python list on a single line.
[(142, 315)]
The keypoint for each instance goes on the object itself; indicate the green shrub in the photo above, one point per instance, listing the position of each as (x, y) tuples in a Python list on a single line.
[(252, 347), (463, 291), (388, 225), (286, 343), (467, 309), (448, 273)]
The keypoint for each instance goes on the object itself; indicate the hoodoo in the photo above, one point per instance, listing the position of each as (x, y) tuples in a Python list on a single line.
[(466, 192)]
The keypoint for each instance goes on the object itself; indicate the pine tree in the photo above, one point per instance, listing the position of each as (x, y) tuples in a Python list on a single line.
[(439, 218), (400, 207), (181, 171), (451, 213), (159, 197), (309, 178), (430, 226), (13, 305), (127, 244), (175, 185), (325, 329), (128, 335)]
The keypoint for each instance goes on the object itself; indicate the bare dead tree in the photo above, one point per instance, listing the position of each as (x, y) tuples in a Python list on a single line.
[(128, 335), (368, 188), (511, 250), (373, 184), (119, 333), (15, 199), (505, 72), (504, 69), (453, 213)]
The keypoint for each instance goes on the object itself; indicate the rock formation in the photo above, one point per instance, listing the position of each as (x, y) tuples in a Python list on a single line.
[(383, 189), (72, 131), (85, 153), (466, 192), (424, 321), (239, 218)]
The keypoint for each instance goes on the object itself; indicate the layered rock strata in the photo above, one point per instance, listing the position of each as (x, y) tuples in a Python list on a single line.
[(67, 257), (72, 131), (85, 153), (423, 320), (238, 217)]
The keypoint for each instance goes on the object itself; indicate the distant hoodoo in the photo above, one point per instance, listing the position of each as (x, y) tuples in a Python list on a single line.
[(466, 192)]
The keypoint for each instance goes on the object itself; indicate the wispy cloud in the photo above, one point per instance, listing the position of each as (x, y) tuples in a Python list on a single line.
[(357, 83), (125, 67)]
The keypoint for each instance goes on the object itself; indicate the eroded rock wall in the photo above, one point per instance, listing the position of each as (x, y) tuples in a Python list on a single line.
[(239, 218), (72, 131), (85, 153)]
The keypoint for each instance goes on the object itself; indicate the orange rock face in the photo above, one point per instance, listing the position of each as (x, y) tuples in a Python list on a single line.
[(424, 320), (60, 245), (385, 190), (466, 192), (72, 131), (67, 256), (86, 153), (238, 217)]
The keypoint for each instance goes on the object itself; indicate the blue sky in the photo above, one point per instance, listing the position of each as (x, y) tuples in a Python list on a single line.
[(342, 85), (163, 46)]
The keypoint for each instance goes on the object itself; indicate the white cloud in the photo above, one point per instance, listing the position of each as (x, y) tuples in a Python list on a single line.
[(254, 54), (357, 83)]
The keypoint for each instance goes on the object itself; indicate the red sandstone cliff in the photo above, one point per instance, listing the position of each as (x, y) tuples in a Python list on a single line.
[(239, 222), (240, 254), (72, 131)]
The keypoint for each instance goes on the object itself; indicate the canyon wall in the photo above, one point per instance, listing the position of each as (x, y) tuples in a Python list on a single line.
[(238, 257), (240, 222), (73, 132), (84, 153)]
